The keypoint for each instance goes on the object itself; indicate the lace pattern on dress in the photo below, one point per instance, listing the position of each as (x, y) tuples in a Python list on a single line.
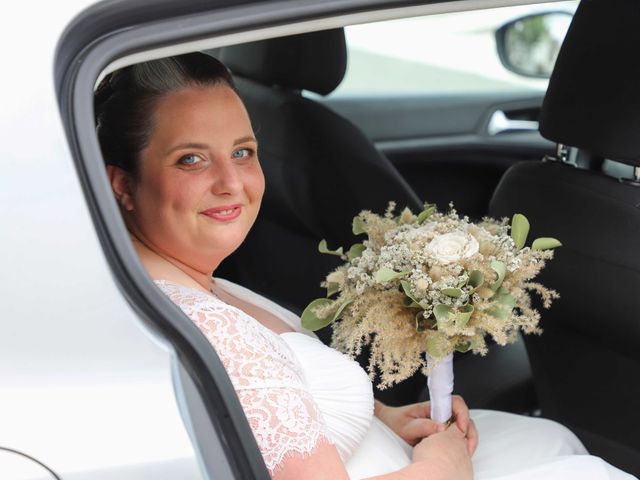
[(264, 372)]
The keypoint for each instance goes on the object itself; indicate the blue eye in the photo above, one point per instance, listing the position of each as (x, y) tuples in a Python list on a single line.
[(242, 153), (190, 159)]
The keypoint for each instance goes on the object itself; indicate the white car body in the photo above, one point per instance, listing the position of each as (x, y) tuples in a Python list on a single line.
[(83, 388)]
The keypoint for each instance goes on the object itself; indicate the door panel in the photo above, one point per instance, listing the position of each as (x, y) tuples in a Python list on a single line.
[(452, 148)]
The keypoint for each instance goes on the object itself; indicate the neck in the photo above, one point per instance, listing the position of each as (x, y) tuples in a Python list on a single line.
[(160, 266)]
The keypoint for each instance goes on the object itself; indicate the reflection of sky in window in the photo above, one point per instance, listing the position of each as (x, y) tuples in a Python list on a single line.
[(558, 25)]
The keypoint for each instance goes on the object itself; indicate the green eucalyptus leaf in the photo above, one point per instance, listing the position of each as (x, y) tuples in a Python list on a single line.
[(409, 300), (545, 243), (476, 278), (322, 248), (442, 312), (504, 297), (500, 312), (310, 320), (519, 230), (341, 308), (501, 269), (463, 347), (463, 315), (452, 292), (386, 274), (358, 227), (406, 288), (426, 213), (355, 251), (435, 344), (503, 304), (424, 303), (332, 288)]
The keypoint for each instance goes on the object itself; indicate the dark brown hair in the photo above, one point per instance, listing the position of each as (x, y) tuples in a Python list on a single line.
[(125, 101)]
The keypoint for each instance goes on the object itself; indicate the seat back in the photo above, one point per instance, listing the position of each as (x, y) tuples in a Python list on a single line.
[(320, 169), (586, 362)]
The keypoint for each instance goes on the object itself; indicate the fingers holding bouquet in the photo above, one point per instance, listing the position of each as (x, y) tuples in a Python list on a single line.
[(409, 422), (412, 422), (464, 423), (444, 455)]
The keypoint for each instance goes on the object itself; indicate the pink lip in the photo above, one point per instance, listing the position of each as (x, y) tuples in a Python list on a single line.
[(216, 214)]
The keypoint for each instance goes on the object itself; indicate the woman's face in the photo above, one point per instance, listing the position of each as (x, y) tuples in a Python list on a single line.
[(200, 184)]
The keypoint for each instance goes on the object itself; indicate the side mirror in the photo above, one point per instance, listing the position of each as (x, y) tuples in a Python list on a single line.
[(529, 45)]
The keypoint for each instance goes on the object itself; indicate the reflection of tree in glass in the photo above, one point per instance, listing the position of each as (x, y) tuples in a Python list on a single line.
[(532, 44), (533, 29)]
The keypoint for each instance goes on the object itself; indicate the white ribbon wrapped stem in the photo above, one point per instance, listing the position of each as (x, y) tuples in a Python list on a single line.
[(440, 383)]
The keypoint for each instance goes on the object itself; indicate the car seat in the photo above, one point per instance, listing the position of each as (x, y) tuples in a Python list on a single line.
[(586, 364)]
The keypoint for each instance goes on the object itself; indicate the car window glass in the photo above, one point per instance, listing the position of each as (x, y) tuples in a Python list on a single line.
[(444, 53)]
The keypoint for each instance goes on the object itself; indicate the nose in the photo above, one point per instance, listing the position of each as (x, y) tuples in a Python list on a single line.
[(226, 178)]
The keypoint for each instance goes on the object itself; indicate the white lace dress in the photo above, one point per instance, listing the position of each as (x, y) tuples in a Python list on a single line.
[(298, 393)]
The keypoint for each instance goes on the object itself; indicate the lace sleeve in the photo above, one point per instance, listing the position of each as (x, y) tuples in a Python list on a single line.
[(268, 381)]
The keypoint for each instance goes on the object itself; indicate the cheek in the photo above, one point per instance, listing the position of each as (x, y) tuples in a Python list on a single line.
[(184, 195), (254, 184), (166, 197)]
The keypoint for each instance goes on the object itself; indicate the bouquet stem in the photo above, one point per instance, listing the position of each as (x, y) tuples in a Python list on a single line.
[(440, 383)]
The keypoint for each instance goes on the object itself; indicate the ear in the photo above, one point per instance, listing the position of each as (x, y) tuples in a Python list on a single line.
[(122, 185)]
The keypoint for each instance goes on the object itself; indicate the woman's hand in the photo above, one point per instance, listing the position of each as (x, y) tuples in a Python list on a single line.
[(412, 422), (464, 422), (444, 455)]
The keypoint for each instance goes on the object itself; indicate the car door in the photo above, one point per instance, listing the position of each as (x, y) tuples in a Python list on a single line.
[(433, 95), (112, 35)]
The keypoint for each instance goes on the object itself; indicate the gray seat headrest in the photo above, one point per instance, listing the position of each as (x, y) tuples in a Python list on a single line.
[(313, 61), (593, 99)]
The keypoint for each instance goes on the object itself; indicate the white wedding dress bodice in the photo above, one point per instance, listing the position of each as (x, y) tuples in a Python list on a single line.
[(296, 393)]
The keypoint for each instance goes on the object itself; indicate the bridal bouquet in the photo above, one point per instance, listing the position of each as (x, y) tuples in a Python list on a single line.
[(420, 287)]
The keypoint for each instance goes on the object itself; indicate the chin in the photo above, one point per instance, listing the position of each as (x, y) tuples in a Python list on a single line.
[(226, 248)]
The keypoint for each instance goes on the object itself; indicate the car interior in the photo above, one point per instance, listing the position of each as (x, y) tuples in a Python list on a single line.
[(327, 158), (303, 144)]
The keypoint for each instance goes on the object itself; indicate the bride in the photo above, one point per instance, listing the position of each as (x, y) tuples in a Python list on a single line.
[(182, 160)]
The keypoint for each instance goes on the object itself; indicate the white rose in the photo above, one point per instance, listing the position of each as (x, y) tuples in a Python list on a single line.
[(453, 246)]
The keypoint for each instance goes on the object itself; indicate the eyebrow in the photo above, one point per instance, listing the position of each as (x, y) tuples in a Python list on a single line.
[(184, 146), (248, 138), (204, 146)]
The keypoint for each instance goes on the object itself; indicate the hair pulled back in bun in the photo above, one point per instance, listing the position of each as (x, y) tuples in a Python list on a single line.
[(125, 101)]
